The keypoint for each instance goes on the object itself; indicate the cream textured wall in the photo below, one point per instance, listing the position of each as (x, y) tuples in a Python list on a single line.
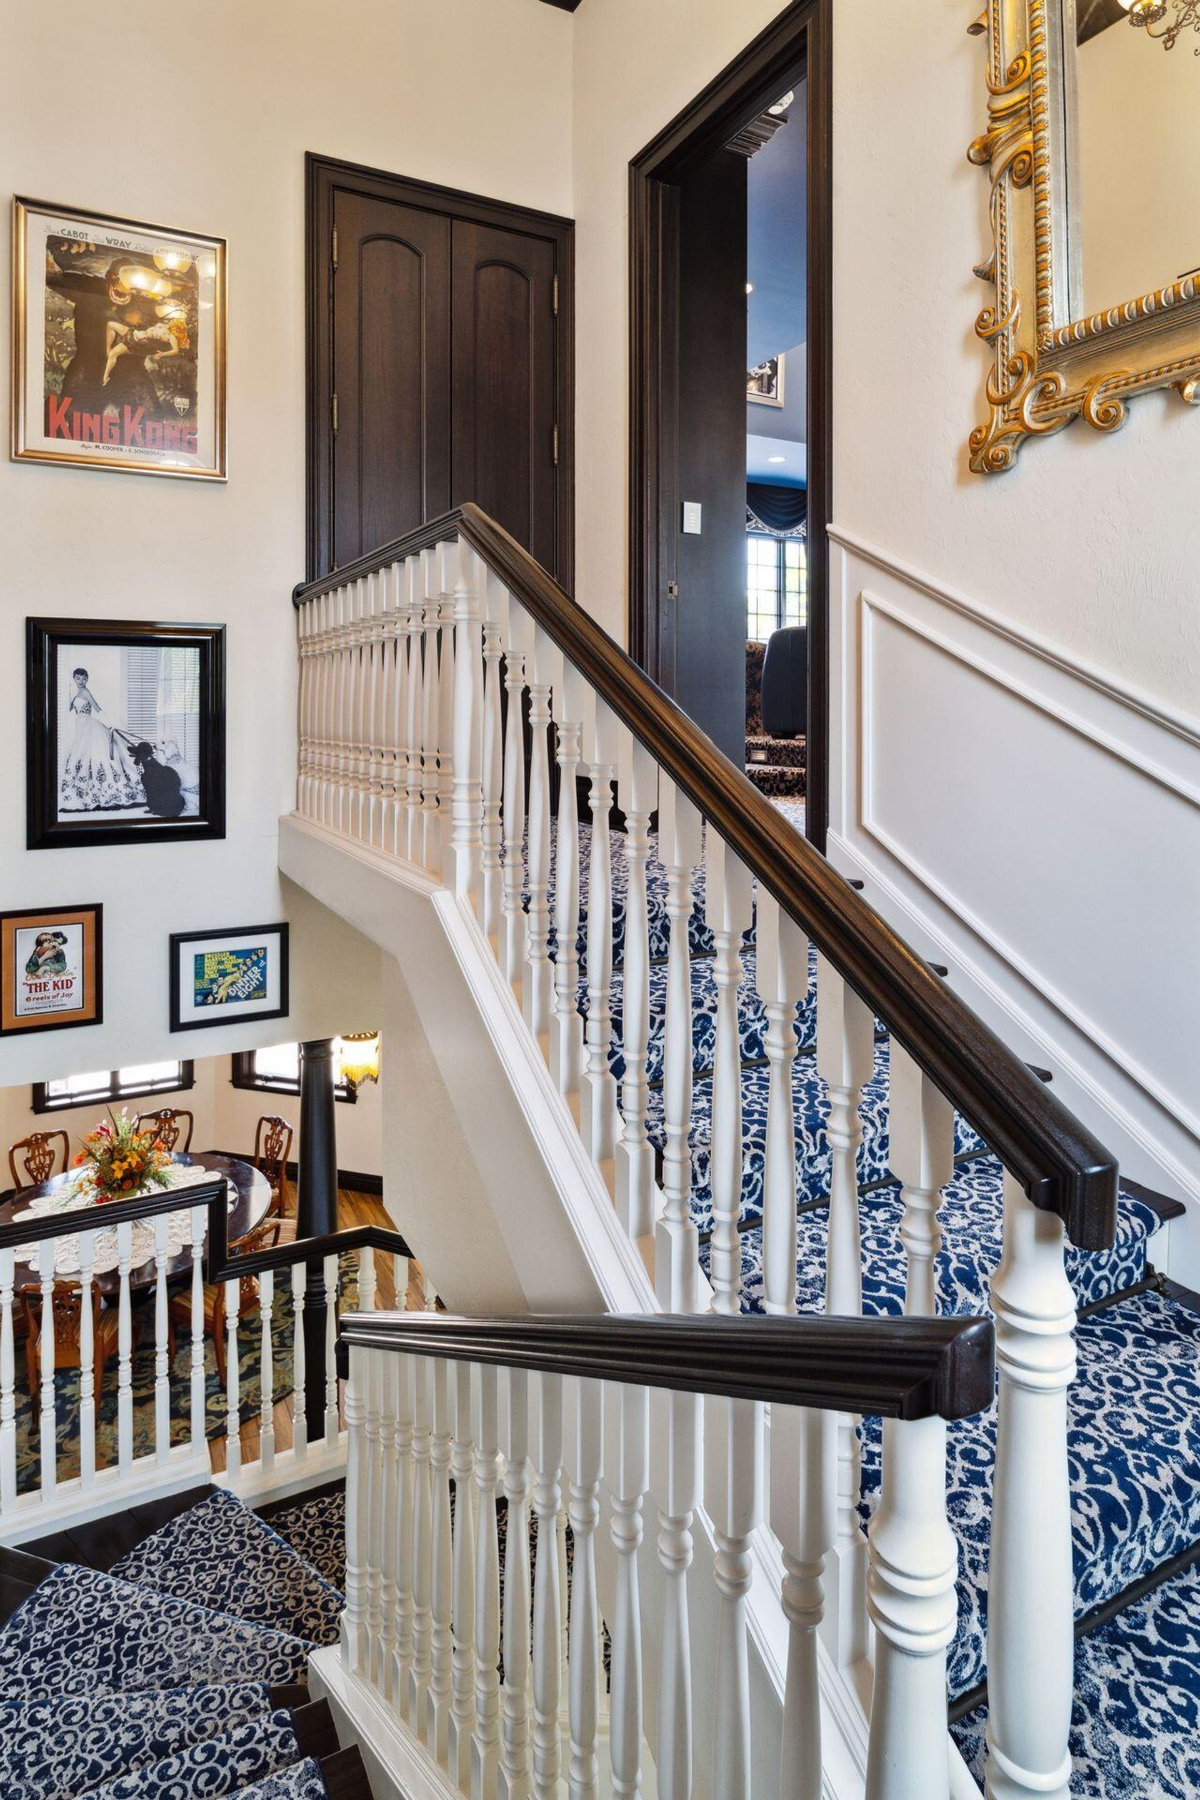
[(201, 120)]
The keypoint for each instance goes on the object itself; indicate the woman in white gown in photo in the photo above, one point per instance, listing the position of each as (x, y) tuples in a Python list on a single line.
[(96, 775)]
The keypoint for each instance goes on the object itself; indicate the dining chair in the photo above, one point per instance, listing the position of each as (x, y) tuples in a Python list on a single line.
[(167, 1126), (272, 1151), (40, 1154), (67, 1313), (264, 1236)]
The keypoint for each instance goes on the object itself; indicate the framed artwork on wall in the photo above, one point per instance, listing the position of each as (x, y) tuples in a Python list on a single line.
[(764, 385), (126, 732), (118, 343), (51, 969), (228, 977)]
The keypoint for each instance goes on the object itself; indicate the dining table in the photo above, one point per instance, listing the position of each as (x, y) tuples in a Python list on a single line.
[(249, 1202)]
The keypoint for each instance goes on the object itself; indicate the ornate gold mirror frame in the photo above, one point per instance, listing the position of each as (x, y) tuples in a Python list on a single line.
[(1052, 367)]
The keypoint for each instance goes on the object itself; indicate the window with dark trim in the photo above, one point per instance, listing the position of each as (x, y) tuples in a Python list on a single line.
[(776, 583), (276, 1070), (106, 1087)]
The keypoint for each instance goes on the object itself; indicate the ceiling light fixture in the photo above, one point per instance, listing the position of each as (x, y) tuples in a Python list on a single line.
[(777, 459), (749, 287), (781, 106), (1146, 14)]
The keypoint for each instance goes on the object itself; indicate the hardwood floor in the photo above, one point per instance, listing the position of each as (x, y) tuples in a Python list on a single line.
[(354, 1208)]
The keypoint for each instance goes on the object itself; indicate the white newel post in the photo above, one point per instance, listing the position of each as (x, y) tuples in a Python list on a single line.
[(548, 1588), (566, 1041), (782, 970), (486, 1747), (514, 1747), (733, 1460), (1030, 1580), (845, 1059), (675, 1452), (803, 1516), (462, 1709), (537, 980), (921, 1156), (636, 1196), (495, 616), (512, 947), (729, 909), (598, 1094), (911, 1600), (441, 1451), (677, 1241), (587, 1466), (463, 579), (354, 1618), (628, 1478)]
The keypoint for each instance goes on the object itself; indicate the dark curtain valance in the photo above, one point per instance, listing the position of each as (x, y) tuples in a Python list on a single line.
[(779, 510)]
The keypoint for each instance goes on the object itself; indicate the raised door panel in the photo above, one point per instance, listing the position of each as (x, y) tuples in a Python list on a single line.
[(505, 382), (391, 371)]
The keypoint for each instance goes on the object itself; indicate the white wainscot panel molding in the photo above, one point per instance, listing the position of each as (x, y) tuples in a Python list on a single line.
[(1036, 825)]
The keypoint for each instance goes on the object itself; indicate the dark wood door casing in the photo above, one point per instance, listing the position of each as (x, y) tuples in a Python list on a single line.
[(460, 336)]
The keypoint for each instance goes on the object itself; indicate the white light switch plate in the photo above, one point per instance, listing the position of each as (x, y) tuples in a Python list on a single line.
[(691, 517)]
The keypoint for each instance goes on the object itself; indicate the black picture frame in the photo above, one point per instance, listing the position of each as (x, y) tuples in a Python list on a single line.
[(45, 638), (231, 1015), (90, 919)]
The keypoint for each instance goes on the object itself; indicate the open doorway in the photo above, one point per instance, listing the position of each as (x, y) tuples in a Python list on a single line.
[(730, 409)]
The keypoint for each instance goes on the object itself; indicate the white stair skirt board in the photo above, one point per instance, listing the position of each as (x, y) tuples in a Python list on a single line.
[(398, 1765), (983, 773), (491, 1098)]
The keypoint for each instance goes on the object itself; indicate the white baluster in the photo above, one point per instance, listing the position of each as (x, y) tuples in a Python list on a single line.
[(392, 709), (537, 977), (430, 696), (676, 1444), (782, 972), (162, 1361), (921, 1156), (598, 1093), (627, 1481), (733, 1450), (422, 1540), (124, 1352), (356, 778), (1031, 1672), (47, 1447), (198, 1221), (446, 664), (383, 761), (87, 1363), (413, 601), (548, 1588), (302, 722), (8, 1397), (566, 1042), (584, 1659), (514, 1747), (372, 1541), (331, 1381), (383, 1645), (803, 1517), (495, 606), (462, 1710), (441, 1451), (465, 579), (845, 1050), (266, 1428), (353, 1625), (486, 1746), (233, 1379), (400, 1266), (676, 1257), (729, 911), (911, 1601), (512, 947), (401, 1398), (636, 1195), (299, 1363), (366, 1279)]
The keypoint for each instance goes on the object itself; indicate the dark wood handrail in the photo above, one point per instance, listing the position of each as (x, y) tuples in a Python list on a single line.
[(22, 1232), (896, 1368), (1060, 1164)]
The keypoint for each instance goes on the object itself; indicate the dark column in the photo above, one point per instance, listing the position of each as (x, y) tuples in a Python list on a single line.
[(316, 1212)]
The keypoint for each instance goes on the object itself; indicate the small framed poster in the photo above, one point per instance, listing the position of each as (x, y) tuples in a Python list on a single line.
[(118, 343), (228, 977), (764, 385), (51, 969), (126, 732)]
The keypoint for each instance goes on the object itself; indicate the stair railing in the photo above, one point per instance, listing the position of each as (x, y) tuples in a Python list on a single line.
[(88, 1304), (416, 663), (667, 1414)]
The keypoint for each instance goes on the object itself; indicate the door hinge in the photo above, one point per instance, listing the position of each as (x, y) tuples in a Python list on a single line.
[(334, 414), (554, 296), (333, 249), (556, 446)]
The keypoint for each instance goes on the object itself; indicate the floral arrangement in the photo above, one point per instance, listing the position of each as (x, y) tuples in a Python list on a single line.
[(118, 1160)]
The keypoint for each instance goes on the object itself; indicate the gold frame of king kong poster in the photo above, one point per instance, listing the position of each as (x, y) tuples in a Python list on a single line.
[(118, 343)]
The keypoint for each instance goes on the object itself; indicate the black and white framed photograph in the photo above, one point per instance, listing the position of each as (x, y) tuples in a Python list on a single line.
[(126, 732), (764, 384), (228, 977)]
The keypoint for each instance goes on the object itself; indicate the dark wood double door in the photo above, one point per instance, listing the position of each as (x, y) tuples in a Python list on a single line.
[(439, 365)]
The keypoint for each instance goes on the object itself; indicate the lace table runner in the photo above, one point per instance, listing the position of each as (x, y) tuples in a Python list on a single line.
[(69, 1197)]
